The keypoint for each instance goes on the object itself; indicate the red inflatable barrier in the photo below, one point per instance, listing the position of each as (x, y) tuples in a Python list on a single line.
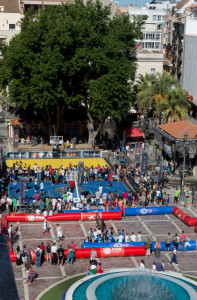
[(101, 252), (25, 218), (85, 216), (184, 217), (65, 217), (195, 229)]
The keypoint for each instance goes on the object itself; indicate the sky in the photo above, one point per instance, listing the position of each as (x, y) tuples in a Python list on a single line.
[(139, 3)]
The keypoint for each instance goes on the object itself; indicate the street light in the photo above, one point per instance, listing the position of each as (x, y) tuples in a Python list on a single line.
[(183, 169), (146, 122)]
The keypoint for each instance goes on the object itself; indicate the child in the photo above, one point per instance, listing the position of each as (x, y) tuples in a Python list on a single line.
[(139, 237), (168, 198), (154, 267), (45, 226), (163, 265), (59, 232), (185, 200)]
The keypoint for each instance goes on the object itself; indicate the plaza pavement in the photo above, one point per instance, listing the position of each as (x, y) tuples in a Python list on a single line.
[(30, 234)]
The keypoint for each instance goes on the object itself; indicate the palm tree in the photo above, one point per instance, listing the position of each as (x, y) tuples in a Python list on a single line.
[(151, 89), (174, 106), (144, 95)]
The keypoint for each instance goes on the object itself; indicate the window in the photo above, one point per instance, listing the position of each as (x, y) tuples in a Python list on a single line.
[(163, 18), (157, 36), (159, 18), (11, 26), (147, 36), (153, 71), (154, 18), (1, 8), (159, 27), (151, 36), (157, 45)]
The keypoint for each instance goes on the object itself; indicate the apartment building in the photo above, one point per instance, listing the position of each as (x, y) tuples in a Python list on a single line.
[(189, 74), (10, 18), (155, 13), (173, 38)]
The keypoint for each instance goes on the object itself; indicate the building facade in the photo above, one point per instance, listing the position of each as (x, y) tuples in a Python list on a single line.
[(10, 18), (190, 55)]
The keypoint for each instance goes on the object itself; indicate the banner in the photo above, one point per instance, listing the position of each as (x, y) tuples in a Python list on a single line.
[(80, 172), (24, 183), (144, 161), (16, 137)]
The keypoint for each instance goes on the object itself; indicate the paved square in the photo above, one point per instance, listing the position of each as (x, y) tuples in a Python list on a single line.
[(30, 234)]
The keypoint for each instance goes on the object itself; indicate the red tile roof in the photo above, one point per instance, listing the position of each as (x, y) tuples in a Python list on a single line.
[(177, 129), (181, 4)]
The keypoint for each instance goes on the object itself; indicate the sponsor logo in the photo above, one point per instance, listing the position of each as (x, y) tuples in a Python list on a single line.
[(91, 217), (107, 250), (41, 218), (117, 245), (31, 218), (143, 211)]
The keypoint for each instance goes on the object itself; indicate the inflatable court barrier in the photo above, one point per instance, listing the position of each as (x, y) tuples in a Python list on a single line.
[(101, 252), (85, 216), (64, 217), (189, 245), (184, 217), (25, 218), (148, 211)]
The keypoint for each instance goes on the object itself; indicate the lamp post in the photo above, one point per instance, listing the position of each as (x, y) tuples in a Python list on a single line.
[(183, 168), (146, 122)]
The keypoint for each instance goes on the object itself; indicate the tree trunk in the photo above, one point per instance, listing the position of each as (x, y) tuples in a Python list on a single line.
[(49, 125), (59, 113), (93, 134)]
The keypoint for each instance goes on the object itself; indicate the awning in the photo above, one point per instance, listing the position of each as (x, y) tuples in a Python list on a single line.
[(133, 132)]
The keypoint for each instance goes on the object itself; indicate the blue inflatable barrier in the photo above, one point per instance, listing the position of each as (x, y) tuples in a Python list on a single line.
[(189, 245), (91, 210), (109, 245), (148, 211)]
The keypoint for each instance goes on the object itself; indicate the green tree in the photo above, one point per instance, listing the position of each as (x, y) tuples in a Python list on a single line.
[(153, 88), (73, 54), (175, 106)]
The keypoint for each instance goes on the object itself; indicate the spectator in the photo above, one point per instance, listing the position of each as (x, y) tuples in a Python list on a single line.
[(48, 252), (159, 266), (42, 247), (54, 254), (70, 255), (24, 256), (174, 258), (99, 268), (18, 256), (60, 252), (38, 252)]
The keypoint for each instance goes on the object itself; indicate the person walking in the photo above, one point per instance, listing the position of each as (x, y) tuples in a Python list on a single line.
[(157, 248), (18, 256), (54, 254), (174, 258), (183, 240), (60, 252), (97, 195)]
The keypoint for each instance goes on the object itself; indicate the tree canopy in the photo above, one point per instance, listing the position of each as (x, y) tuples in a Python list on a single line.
[(73, 54), (162, 94)]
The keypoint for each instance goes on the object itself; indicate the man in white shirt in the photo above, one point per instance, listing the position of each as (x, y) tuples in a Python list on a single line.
[(120, 238), (45, 213), (59, 232), (54, 254), (100, 189), (38, 212), (139, 237), (133, 237), (54, 204)]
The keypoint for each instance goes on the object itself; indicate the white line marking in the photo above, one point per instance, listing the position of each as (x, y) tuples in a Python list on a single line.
[(192, 211), (175, 225), (83, 229), (147, 229), (135, 261), (54, 241), (25, 285)]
